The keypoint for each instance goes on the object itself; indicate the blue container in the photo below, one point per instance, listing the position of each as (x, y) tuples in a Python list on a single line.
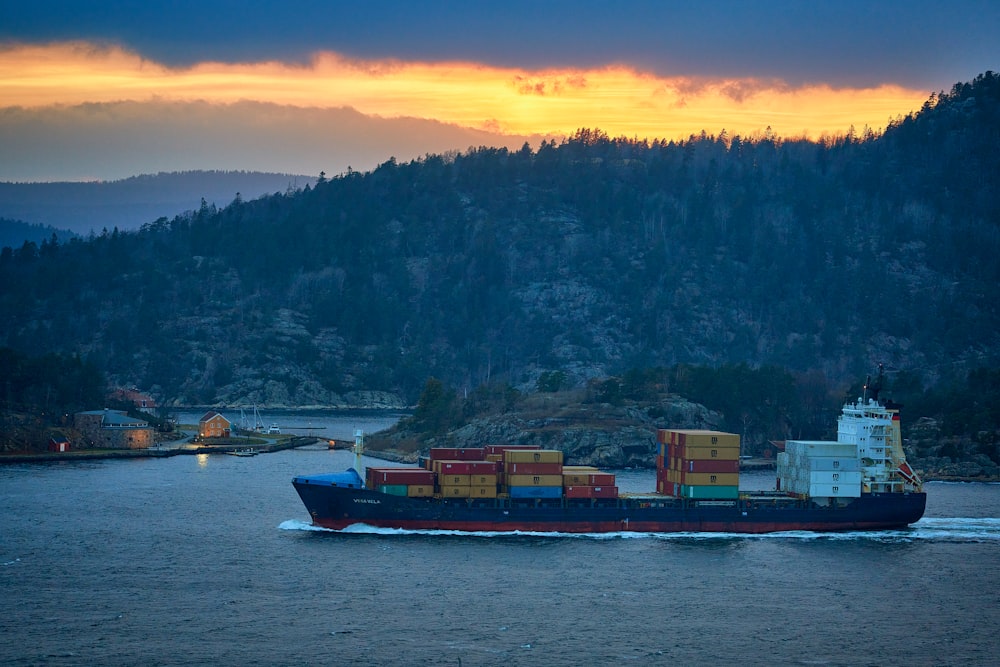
[(535, 491)]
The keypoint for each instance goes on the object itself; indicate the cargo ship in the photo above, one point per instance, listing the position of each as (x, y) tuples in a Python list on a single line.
[(861, 481)]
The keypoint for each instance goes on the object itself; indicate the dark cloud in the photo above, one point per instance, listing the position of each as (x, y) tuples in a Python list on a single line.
[(925, 44)]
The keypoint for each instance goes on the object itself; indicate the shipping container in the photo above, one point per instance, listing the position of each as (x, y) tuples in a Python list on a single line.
[(834, 463), (419, 491), (457, 453), (668, 488), (512, 468), (534, 480), (394, 489), (602, 479), (709, 492), (446, 467), (814, 448), (711, 465), (701, 438), (709, 478), (575, 479), (483, 491), (454, 480), (455, 491), (483, 480), (533, 456), (379, 476), (500, 449), (535, 491), (834, 490), (591, 491), (690, 452), (833, 477)]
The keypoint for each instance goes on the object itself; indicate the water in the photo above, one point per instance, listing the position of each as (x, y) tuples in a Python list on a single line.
[(196, 560)]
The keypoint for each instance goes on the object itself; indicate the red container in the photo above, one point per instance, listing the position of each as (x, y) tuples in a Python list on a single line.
[(591, 492), (602, 479), (457, 453), (533, 469), (381, 476), (500, 449), (709, 465), (465, 467)]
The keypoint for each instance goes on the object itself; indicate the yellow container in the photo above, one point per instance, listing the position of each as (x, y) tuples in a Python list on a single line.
[(455, 491), (532, 456), (698, 438), (482, 480), (418, 491), (711, 453), (454, 480), (477, 491), (575, 479), (534, 480), (712, 479)]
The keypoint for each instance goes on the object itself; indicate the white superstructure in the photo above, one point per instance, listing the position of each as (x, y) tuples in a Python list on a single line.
[(867, 457)]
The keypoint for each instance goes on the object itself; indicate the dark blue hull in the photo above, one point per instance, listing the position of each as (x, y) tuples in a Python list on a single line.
[(334, 506)]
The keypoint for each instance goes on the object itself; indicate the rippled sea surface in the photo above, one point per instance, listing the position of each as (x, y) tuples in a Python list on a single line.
[(198, 560)]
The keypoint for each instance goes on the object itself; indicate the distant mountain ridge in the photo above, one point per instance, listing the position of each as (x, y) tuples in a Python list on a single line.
[(129, 203)]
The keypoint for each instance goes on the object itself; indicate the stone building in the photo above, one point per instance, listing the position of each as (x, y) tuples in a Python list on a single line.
[(113, 429)]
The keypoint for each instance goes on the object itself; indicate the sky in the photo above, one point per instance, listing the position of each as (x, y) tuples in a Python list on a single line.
[(102, 91)]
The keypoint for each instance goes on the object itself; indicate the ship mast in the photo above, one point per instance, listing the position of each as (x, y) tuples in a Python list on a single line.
[(359, 449)]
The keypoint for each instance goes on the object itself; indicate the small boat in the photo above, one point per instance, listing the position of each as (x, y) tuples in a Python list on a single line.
[(246, 451)]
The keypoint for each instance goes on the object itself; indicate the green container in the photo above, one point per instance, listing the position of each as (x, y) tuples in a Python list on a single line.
[(395, 489), (710, 492)]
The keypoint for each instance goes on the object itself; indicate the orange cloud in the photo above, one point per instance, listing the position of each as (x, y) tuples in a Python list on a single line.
[(617, 99)]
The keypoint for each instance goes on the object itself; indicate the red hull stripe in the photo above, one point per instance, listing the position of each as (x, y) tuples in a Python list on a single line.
[(613, 526)]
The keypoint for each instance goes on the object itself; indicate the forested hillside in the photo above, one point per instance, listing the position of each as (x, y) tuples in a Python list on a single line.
[(588, 257)]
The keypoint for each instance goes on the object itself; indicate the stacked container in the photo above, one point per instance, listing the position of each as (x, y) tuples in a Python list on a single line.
[(411, 482), (533, 473), (588, 482), (698, 464), (820, 469), (466, 479)]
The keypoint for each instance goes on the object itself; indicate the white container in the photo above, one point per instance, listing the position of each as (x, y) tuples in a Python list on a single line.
[(834, 463), (835, 490), (833, 477)]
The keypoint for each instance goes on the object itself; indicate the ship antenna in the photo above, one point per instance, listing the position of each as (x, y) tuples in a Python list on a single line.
[(359, 448), (877, 387)]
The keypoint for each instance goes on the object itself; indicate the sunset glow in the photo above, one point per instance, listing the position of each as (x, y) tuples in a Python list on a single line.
[(617, 99)]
